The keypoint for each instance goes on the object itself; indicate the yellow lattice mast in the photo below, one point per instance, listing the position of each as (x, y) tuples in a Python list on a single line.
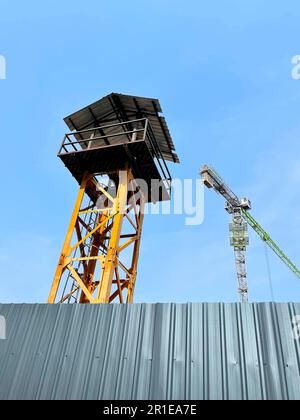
[(117, 151)]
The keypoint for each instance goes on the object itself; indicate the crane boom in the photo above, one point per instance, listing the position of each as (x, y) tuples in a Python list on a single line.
[(269, 241), (212, 179), (239, 209)]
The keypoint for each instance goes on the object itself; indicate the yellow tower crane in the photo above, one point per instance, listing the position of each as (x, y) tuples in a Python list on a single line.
[(117, 151)]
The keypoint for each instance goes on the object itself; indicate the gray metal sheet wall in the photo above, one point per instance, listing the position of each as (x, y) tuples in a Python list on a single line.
[(145, 351)]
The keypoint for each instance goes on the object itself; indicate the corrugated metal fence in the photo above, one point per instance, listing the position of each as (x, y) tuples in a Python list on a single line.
[(145, 351)]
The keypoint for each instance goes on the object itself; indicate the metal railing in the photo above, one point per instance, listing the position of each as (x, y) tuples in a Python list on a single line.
[(77, 141), (138, 130)]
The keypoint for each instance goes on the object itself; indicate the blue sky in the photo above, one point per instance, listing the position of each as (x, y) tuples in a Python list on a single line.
[(222, 70)]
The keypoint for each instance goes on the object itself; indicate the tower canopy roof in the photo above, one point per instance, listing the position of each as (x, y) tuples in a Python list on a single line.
[(115, 108)]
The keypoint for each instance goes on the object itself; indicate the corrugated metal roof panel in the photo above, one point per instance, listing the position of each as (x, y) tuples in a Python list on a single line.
[(145, 351), (115, 107)]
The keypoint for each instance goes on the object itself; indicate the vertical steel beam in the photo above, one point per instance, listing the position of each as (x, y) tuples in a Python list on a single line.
[(66, 247), (136, 251), (112, 252)]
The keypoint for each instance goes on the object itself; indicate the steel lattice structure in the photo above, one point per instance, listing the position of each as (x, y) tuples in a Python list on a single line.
[(117, 151), (92, 265)]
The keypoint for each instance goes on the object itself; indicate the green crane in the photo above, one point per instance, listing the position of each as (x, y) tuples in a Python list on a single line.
[(241, 218), (269, 241)]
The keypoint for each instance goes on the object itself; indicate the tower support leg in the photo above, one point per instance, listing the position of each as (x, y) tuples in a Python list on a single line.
[(93, 267), (111, 261)]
